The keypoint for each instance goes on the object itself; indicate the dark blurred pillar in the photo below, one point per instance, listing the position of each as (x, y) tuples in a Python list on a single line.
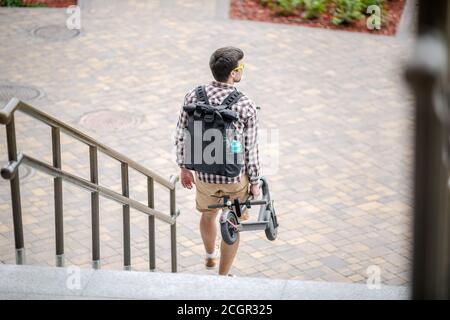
[(427, 73)]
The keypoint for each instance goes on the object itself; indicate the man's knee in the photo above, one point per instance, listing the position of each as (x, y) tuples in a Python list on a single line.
[(209, 215)]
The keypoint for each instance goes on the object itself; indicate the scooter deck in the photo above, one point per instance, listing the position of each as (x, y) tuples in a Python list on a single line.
[(250, 226)]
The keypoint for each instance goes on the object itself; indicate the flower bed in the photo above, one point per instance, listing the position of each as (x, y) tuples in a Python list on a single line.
[(349, 15)]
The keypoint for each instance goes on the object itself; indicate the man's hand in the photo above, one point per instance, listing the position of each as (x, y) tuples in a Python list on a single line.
[(254, 190), (187, 179)]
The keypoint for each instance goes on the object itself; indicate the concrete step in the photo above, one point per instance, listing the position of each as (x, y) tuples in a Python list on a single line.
[(38, 282)]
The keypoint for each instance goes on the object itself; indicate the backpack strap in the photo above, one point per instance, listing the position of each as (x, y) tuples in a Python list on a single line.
[(200, 92), (232, 98)]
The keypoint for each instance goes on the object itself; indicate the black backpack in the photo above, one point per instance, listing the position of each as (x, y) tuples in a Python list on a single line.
[(212, 145)]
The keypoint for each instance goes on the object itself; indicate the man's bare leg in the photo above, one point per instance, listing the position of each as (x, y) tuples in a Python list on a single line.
[(208, 230), (227, 254)]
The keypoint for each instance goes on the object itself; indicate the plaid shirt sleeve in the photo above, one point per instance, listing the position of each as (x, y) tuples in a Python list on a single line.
[(180, 131), (251, 145)]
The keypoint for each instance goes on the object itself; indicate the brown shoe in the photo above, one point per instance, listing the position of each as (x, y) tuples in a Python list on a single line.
[(211, 259), (210, 263)]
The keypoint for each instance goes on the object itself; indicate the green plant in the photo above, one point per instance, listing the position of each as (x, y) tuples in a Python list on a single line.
[(20, 3), (313, 8), (347, 11), (11, 3), (287, 7)]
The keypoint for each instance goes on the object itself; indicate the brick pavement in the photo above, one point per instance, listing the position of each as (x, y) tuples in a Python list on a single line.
[(336, 100)]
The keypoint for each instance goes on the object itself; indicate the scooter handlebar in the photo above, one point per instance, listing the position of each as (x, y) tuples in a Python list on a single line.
[(215, 206), (256, 202), (248, 202)]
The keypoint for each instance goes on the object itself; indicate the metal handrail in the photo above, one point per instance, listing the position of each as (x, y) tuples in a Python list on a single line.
[(14, 104), (83, 183), (15, 159)]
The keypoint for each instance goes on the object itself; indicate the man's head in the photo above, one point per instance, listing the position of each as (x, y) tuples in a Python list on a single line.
[(226, 64)]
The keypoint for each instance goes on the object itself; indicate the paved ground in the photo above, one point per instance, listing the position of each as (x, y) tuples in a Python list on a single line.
[(340, 174), (45, 283)]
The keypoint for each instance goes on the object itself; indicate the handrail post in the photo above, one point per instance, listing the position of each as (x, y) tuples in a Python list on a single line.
[(95, 215), (126, 219), (15, 193), (57, 184), (151, 224), (173, 230), (428, 75)]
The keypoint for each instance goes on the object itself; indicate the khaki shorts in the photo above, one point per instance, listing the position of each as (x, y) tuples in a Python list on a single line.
[(212, 193)]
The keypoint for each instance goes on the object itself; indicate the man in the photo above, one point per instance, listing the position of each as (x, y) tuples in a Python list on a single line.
[(227, 67)]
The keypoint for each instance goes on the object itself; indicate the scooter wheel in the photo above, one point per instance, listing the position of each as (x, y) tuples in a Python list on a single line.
[(272, 227), (229, 233)]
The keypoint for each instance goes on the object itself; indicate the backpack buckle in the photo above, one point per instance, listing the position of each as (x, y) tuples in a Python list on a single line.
[(209, 117), (197, 114)]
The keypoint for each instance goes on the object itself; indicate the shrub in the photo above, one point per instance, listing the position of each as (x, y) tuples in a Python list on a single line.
[(20, 3), (286, 7), (347, 11), (11, 3), (313, 8)]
